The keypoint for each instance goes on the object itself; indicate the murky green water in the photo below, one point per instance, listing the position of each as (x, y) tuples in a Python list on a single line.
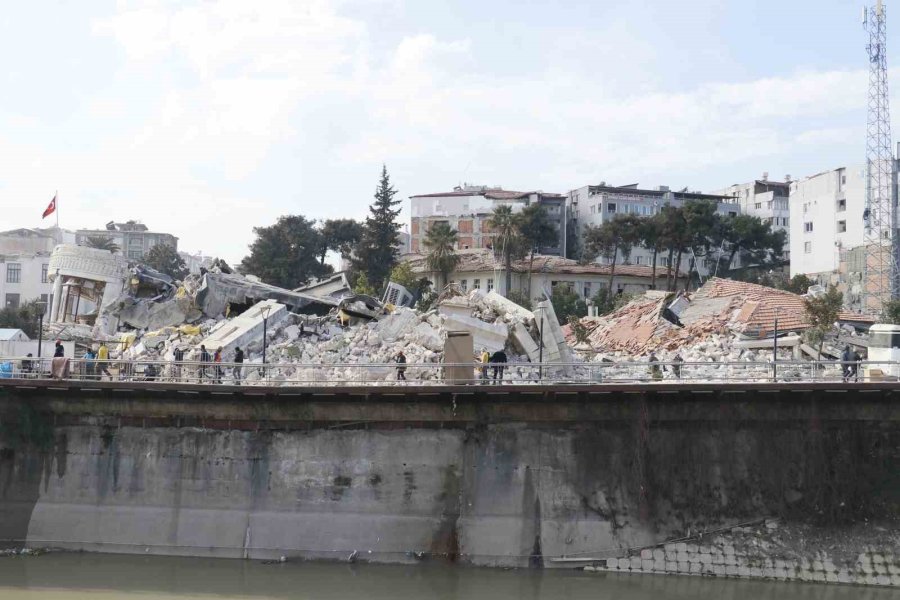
[(89, 576)]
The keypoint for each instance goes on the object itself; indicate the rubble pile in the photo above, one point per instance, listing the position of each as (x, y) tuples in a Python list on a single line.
[(723, 321)]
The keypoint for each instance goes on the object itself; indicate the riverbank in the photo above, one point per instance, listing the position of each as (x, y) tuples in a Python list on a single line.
[(85, 576)]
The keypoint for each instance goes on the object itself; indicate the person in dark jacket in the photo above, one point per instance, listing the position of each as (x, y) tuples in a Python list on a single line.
[(236, 372), (401, 366), (60, 351), (854, 366), (204, 359), (846, 357), (499, 360)]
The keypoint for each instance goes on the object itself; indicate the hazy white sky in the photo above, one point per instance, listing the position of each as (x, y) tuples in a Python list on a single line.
[(205, 119)]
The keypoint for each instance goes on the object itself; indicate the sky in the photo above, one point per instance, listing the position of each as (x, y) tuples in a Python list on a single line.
[(206, 119)]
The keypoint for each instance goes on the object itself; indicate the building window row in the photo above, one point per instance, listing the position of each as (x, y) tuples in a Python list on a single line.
[(13, 273)]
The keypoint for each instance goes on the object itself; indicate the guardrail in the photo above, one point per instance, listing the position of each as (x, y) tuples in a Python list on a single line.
[(300, 374)]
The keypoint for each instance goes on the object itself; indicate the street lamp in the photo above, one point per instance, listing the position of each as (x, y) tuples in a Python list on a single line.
[(775, 349), (541, 347), (42, 306), (264, 311)]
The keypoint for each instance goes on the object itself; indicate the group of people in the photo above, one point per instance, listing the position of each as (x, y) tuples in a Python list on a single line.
[(498, 359), (216, 372)]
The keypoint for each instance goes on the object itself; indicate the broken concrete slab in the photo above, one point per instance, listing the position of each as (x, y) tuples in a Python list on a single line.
[(491, 336), (217, 290), (524, 343), (245, 328)]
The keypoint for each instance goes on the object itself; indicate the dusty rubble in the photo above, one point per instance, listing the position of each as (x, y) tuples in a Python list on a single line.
[(723, 321), (318, 333)]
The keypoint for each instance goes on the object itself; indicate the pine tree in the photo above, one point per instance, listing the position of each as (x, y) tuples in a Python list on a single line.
[(378, 251)]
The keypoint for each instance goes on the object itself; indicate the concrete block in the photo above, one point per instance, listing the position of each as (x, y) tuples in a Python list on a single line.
[(684, 566), (659, 565), (524, 343), (879, 569), (817, 565), (731, 559), (705, 559), (743, 571), (695, 567), (731, 570), (769, 573), (670, 548), (647, 564), (728, 550), (659, 554), (877, 558), (681, 556), (647, 554), (756, 572), (895, 580), (484, 335), (719, 570), (670, 555), (831, 577), (244, 328), (671, 566), (635, 563), (681, 547), (869, 580), (692, 548), (818, 576), (843, 576), (624, 564), (883, 580)]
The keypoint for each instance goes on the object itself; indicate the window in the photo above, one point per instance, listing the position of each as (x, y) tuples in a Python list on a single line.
[(807, 227), (611, 207), (13, 274), (758, 205), (476, 284), (639, 260), (490, 284), (593, 209), (135, 254), (587, 289), (45, 302), (462, 284), (841, 205), (842, 226), (807, 247), (44, 273), (12, 301), (784, 221), (732, 213)]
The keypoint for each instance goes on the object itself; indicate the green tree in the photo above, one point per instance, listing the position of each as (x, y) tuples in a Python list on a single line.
[(615, 237), (377, 250), (286, 253), (579, 330), (165, 259), (799, 284), (520, 298), (822, 312), (507, 239), (441, 257), (536, 231), (101, 242), (673, 229), (341, 236), (651, 238), (361, 285), (24, 317), (567, 303), (754, 240), (704, 227)]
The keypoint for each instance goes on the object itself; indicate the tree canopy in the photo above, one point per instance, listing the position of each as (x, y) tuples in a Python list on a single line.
[(377, 250), (286, 253), (441, 256), (102, 242), (165, 259), (24, 317), (341, 236)]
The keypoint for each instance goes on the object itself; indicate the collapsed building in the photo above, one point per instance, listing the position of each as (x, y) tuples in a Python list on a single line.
[(723, 321), (321, 332)]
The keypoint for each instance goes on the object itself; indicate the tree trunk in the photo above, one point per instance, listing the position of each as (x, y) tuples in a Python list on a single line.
[(508, 265), (669, 269), (653, 278), (530, 270), (612, 271), (677, 271)]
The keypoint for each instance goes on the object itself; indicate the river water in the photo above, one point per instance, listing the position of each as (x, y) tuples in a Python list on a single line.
[(60, 576)]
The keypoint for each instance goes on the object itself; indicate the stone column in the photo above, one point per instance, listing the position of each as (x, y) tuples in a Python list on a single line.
[(57, 291)]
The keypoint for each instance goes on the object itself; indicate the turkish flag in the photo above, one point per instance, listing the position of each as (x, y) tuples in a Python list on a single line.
[(50, 208)]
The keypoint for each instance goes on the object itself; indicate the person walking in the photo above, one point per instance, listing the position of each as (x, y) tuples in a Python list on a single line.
[(28, 366), (178, 359), (204, 360), (655, 371), (401, 366), (217, 368), (846, 357), (499, 360), (676, 366), (485, 358), (854, 366), (103, 360), (90, 364), (238, 365), (59, 352)]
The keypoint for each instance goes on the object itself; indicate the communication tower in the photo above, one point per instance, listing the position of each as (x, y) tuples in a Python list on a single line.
[(881, 281)]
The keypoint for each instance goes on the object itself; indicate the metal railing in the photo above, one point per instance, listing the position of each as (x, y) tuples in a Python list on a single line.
[(434, 373)]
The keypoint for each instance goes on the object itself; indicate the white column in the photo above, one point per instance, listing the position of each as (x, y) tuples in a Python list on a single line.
[(57, 291)]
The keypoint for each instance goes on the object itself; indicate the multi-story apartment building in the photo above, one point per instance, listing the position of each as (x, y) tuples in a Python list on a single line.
[(467, 209), (134, 239), (23, 278), (593, 205), (768, 200)]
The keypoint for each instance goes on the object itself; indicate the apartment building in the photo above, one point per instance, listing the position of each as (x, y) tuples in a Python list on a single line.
[(593, 205), (468, 209), (133, 239), (768, 200), (23, 278)]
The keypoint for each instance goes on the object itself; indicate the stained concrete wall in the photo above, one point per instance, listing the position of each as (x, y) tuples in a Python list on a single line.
[(490, 477)]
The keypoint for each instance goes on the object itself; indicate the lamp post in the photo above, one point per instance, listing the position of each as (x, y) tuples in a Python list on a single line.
[(264, 311), (775, 349), (42, 306), (541, 347)]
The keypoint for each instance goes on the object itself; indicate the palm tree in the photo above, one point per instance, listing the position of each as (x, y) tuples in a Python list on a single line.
[(442, 257), (101, 242), (505, 225)]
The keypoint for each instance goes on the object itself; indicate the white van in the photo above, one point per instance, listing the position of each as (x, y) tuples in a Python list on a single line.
[(884, 345)]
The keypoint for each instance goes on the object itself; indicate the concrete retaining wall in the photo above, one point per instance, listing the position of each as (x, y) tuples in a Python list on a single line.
[(499, 476)]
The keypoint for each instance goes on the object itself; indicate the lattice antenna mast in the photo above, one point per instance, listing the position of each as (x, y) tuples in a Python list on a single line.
[(879, 216)]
